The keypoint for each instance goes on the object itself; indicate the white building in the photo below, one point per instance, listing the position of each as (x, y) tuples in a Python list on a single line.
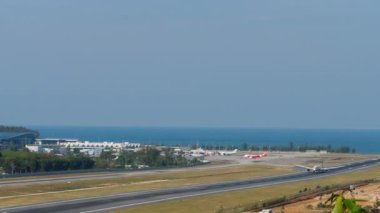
[(48, 145), (54, 141), (104, 145), (34, 148), (94, 149)]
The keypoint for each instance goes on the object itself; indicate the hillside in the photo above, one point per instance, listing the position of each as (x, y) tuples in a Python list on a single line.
[(4, 128)]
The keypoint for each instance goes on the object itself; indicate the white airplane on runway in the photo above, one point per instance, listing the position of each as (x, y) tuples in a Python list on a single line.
[(316, 168), (227, 152)]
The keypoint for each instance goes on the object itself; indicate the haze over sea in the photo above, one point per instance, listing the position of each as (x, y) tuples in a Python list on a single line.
[(363, 140)]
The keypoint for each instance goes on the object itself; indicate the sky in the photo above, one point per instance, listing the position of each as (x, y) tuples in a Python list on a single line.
[(170, 63)]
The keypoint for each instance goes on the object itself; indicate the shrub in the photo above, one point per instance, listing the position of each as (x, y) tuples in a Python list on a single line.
[(321, 205)]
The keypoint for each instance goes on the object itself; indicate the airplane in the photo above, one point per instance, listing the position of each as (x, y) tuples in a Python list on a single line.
[(264, 154), (228, 153), (315, 169)]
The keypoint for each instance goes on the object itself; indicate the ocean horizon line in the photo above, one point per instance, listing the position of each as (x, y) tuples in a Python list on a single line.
[(199, 127)]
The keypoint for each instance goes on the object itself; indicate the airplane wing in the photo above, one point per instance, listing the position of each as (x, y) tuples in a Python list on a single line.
[(335, 167), (305, 167)]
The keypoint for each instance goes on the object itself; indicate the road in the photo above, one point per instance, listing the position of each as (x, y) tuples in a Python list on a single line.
[(126, 200)]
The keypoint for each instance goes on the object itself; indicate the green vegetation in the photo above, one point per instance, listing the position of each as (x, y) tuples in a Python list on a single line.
[(342, 205), (148, 156), (289, 148), (303, 148), (28, 162), (309, 206), (23, 161), (321, 205)]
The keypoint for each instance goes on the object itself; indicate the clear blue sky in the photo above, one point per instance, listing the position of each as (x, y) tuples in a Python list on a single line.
[(294, 64)]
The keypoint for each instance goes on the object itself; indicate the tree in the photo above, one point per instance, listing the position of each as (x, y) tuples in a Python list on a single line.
[(291, 146), (342, 205), (121, 160), (244, 146), (343, 149), (1, 159), (23, 162), (149, 156), (76, 151)]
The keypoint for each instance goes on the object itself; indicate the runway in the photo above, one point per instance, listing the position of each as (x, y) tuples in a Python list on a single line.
[(127, 200), (102, 175)]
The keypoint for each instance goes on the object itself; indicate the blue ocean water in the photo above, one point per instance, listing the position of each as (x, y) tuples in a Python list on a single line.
[(364, 141)]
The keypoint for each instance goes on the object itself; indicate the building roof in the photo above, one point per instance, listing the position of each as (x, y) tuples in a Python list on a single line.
[(57, 139), (9, 135)]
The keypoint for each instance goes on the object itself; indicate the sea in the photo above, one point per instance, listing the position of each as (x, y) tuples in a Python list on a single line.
[(363, 140)]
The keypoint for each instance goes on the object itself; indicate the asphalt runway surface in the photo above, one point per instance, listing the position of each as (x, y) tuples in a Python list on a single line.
[(132, 199), (102, 175)]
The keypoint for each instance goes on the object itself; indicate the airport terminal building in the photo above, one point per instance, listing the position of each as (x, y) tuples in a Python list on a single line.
[(16, 140)]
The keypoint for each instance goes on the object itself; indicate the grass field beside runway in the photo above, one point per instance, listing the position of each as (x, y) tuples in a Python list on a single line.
[(230, 200), (38, 193), (91, 174)]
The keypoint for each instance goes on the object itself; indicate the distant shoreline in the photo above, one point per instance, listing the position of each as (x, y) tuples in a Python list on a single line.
[(363, 141)]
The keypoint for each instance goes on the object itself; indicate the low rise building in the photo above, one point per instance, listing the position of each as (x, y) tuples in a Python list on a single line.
[(93, 149), (34, 148), (104, 145), (50, 145), (54, 141)]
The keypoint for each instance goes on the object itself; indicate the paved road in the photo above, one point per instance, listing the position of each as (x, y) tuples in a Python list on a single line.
[(126, 200)]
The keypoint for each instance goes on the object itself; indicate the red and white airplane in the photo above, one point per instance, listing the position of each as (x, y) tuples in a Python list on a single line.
[(264, 154)]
